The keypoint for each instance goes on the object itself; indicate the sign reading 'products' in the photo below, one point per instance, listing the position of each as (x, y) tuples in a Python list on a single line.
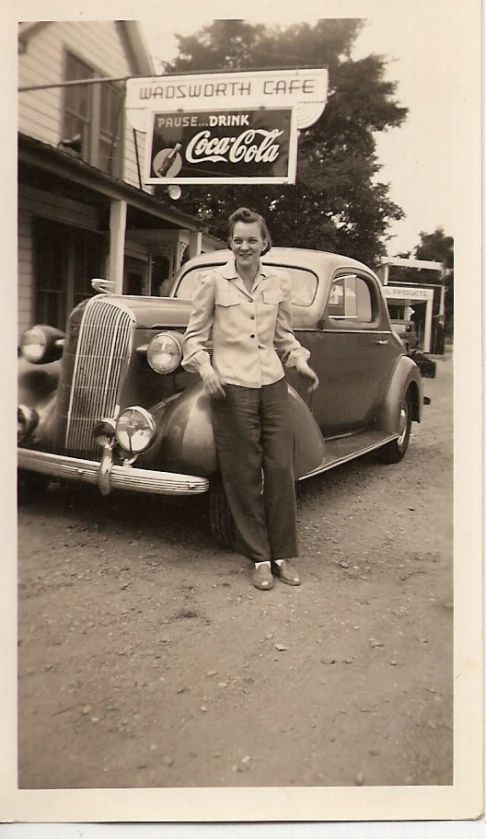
[(407, 292), (223, 146)]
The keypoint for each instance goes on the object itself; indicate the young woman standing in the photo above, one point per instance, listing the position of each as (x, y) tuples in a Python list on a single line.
[(247, 306)]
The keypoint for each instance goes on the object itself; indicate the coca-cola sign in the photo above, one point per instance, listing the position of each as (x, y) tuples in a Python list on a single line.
[(229, 146)]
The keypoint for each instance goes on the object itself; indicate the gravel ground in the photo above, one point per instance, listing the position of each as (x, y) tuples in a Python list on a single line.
[(147, 659)]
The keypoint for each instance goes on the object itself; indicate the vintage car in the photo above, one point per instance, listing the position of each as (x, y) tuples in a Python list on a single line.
[(108, 402), (406, 331)]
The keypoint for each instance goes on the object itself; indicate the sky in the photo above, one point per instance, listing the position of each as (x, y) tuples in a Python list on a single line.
[(417, 157)]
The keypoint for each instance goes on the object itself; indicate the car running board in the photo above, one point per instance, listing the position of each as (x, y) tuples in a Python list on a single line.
[(341, 449)]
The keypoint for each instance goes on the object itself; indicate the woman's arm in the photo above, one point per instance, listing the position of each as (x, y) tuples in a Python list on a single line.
[(195, 355), (285, 341), (294, 354)]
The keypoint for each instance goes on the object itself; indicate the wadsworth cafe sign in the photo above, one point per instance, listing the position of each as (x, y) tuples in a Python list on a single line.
[(225, 127)]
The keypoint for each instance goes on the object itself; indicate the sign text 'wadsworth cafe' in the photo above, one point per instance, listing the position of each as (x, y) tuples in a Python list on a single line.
[(225, 127)]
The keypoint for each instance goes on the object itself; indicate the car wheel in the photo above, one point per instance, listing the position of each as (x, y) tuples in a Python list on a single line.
[(220, 518), (30, 486), (394, 452)]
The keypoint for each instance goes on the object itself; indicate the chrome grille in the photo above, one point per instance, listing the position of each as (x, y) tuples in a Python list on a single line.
[(102, 357)]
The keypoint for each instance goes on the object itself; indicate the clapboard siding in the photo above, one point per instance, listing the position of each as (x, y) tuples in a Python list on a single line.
[(25, 271), (95, 42)]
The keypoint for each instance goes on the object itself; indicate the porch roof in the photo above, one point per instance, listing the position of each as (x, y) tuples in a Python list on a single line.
[(57, 168)]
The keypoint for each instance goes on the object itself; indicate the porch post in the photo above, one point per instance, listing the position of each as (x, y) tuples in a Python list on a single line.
[(195, 243), (118, 219), (428, 320)]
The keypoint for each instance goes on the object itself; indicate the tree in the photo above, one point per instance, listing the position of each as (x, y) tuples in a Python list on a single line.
[(436, 246), (337, 203)]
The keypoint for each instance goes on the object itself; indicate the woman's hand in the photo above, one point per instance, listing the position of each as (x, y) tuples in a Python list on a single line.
[(307, 372), (212, 385)]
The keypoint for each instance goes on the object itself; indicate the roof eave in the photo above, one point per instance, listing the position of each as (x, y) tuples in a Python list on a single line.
[(136, 46), (50, 159)]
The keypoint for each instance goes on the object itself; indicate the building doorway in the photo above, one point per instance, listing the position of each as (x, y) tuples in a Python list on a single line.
[(135, 276)]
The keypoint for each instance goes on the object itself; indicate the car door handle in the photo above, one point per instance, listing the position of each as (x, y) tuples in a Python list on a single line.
[(381, 341)]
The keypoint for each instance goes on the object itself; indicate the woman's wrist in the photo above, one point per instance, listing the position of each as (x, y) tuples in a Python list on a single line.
[(301, 364), (205, 369)]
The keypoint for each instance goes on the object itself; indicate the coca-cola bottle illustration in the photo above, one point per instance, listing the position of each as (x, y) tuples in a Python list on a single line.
[(168, 160)]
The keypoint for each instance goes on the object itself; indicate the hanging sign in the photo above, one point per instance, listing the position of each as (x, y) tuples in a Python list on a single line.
[(225, 127), (228, 146)]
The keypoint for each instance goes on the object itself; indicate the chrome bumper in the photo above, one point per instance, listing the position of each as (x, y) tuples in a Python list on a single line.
[(118, 477)]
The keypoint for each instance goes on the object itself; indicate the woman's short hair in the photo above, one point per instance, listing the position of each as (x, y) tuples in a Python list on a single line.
[(249, 217)]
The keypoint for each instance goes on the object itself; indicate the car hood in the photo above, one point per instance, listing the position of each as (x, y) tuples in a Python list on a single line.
[(152, 312)]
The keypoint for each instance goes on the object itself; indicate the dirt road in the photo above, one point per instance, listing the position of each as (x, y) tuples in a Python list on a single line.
[(146, 658)]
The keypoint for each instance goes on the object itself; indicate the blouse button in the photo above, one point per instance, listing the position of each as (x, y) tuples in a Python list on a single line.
[(252, 336)]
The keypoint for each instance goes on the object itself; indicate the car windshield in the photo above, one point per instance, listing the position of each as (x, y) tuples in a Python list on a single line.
[(303, 283)]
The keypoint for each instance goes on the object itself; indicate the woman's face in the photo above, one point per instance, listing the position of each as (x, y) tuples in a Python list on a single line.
[(247, 244)]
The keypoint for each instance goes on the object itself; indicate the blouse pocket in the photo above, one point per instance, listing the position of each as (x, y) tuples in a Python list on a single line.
[(227, 298), (273, 298)]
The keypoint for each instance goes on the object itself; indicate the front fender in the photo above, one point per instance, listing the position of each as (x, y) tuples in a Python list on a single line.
[(405, 377), (185, 443), (37, 389), (184, 440), (37, 383)]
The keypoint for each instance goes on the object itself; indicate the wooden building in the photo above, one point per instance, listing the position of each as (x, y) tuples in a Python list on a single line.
[(83, 211)]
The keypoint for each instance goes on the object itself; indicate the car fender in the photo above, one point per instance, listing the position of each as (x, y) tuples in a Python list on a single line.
[(308, 442), (405, 377), (36, 383), (37, 391), (184, 439)]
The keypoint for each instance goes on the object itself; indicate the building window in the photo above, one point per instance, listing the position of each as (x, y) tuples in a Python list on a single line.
[(66, 260), (78, 105), (111, 118), (51, 263), (94, 113)]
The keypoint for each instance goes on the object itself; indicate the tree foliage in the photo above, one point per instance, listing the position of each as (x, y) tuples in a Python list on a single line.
[(338, 202), (436, 246)]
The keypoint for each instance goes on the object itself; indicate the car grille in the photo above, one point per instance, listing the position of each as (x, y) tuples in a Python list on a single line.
[(98, 354)]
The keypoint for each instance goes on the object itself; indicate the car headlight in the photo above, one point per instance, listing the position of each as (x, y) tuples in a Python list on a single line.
[(164, 353), (41, 344), (33, 344), (135, 430)]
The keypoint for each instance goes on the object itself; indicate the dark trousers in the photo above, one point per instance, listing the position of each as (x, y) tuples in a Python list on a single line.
[(253, 432)]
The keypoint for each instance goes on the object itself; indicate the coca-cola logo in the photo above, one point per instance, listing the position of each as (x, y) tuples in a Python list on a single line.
[(224, 146), (255, 145)]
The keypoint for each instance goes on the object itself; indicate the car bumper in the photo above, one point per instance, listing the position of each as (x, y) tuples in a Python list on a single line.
[(115, 477)]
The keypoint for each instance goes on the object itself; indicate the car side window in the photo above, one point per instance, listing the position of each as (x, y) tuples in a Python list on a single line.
[(351, 299)]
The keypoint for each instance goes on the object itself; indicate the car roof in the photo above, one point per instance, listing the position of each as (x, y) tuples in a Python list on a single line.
[(286, 256)]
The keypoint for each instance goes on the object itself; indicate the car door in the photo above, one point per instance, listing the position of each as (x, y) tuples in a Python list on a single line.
[(356, 354)]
